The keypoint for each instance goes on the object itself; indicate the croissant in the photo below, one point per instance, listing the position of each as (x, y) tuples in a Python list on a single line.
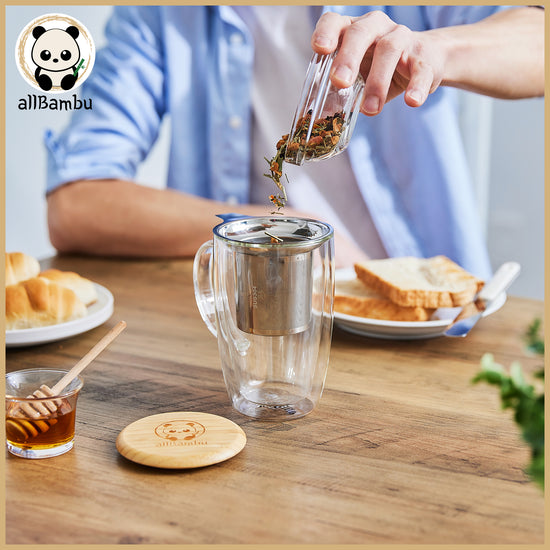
[(19, 267), (37, 302), (82, 287)]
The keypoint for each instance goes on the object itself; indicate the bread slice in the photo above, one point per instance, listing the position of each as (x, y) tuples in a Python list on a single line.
[(354, 298), (420, 282), (37, 302), (82, 287), (20, 267)]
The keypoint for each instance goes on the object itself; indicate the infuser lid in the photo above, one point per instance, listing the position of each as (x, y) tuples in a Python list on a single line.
[(301, 233)]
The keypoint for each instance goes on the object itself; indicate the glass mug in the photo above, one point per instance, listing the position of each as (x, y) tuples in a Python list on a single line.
[(265, 288)]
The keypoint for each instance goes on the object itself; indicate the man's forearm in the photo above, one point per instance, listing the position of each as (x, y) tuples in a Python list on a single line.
[(501, 56), (115, 217), (121, 218)]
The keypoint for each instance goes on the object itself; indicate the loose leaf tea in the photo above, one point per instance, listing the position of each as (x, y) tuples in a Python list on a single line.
[(273, 238), (276, 173), (325, 135)]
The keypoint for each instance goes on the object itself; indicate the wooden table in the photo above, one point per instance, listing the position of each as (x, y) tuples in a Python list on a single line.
[(402, 448)]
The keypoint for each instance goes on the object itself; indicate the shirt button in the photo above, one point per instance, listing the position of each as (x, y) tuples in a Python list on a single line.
[(236, 39), (232, 199), (235, 122)]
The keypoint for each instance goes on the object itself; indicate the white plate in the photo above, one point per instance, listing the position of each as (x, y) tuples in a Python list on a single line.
[(98, 313), (401, 330)]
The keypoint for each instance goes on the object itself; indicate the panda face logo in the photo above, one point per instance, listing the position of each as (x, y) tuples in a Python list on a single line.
[(55, 53), (180, 430), (56, 49)]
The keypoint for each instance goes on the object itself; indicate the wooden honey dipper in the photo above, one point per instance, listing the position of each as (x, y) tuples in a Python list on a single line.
[(31, 426)]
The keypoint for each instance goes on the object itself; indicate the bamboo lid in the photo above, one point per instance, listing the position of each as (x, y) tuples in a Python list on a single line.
[(180, 440)]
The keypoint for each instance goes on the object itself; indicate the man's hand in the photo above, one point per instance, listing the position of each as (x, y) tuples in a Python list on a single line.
[(392, 58)]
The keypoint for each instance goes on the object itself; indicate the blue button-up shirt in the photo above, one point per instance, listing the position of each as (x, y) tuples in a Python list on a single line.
[(195, 63)]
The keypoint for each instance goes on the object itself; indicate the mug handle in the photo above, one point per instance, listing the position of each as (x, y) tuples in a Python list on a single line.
[(202, 281)]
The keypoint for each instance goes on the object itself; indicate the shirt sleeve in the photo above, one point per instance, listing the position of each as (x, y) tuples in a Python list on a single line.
[(445, 16), (126, 90)]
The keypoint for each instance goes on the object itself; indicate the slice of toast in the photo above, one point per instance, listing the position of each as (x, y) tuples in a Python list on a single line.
[(420, 282), (354, 298)]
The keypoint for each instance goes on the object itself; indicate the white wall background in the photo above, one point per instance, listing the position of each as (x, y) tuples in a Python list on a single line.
[(505, 145)]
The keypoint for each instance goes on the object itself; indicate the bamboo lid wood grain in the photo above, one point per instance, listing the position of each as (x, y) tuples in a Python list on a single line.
[(180, 440)]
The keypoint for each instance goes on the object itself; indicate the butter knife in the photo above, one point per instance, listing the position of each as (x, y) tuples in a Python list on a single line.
[(471, 313)]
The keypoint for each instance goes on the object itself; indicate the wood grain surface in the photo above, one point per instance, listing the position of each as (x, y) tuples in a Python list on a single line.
[(402, 448)]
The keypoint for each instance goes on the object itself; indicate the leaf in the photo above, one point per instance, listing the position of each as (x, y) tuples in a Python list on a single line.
[(535, 343), (517, 375), (517, 394), (491, 372)]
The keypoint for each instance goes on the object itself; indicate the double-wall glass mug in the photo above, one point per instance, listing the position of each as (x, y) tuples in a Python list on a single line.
[(265, 288)]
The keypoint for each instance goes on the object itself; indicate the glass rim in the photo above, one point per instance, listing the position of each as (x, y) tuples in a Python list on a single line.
[(306, 243), (62, 372)]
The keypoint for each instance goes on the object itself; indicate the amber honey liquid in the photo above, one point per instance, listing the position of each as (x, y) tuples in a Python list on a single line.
[(41, 433)]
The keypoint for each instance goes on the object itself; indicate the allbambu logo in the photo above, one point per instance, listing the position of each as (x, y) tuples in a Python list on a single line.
[(54, 54)]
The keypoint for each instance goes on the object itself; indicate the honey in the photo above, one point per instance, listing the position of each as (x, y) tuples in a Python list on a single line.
[(44, 432), (40, 411)]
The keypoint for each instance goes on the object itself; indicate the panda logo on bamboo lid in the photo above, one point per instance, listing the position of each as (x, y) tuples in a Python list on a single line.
[(55, 53), (180, 430), (181, 440)]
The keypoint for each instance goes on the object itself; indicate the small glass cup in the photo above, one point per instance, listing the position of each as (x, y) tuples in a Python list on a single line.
[(40, 427), (333, 110)]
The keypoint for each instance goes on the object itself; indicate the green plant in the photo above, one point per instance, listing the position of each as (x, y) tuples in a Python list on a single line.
[(520, 396)]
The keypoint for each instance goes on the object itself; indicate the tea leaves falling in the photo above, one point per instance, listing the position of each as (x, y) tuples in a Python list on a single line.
[(325, 136)]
